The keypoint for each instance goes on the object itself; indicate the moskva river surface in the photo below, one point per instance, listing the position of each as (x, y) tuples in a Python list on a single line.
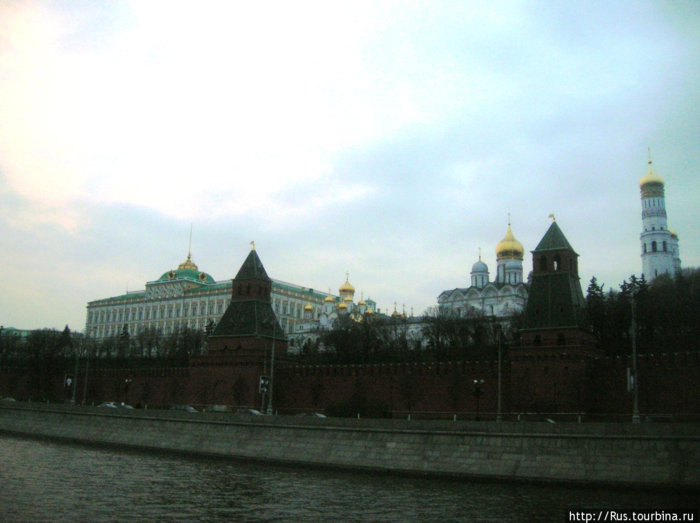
[(46, 481)]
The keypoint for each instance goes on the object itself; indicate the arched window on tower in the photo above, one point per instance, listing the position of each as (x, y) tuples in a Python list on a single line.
[(644, 248), (653, 246), (557, 263), (664, 246)]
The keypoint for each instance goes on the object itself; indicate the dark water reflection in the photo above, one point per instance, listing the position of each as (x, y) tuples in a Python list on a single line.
[(43, 481)]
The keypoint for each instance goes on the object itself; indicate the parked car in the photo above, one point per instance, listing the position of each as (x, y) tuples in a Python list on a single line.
[(107, 405), (311, 415), (186, 408), (251, 412)]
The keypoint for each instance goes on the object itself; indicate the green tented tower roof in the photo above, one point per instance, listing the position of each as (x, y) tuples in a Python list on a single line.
[(555, 299), (250, 313), (553, 239), (252, 269)]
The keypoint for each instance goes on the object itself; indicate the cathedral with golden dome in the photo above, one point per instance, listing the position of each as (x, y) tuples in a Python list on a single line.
[(504, 296), (324, 317)]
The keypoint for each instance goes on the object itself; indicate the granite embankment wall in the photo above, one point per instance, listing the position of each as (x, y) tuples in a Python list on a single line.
[(646, 455)]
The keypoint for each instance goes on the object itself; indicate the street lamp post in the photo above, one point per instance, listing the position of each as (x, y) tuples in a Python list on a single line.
[(74, 383), (499, 413), (127, 383), (272, 372), (636, 418), (478, 391)]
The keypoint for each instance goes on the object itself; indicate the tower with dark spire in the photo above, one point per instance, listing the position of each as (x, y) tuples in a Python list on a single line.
[(249, 322), (556, 301), (246, 345), (552, 366)]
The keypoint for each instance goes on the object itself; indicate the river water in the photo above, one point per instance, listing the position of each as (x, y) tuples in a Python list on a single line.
[(46, 481)]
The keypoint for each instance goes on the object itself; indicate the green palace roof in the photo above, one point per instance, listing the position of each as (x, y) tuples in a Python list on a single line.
[(187, 274)]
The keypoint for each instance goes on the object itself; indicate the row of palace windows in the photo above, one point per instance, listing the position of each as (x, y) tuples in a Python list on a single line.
[(106, 331), (155, 312), (202, 308)]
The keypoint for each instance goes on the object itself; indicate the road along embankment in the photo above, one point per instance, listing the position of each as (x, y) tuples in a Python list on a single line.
[(645, 455)]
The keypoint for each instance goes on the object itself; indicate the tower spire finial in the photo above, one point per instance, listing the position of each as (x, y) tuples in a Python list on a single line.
[(508, 219), (554, 218), (189, 245), (649, 153), (252, 245)]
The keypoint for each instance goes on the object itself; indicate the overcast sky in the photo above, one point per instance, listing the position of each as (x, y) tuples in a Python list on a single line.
[(385, 139)]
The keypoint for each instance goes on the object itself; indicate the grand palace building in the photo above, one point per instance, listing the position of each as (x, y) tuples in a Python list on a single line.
[(189, 298)]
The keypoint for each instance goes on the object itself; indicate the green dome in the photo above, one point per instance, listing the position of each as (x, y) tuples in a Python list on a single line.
[(187, 274)]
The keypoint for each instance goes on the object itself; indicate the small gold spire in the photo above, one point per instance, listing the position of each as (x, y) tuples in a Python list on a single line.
[(554, 219), (252, 246)]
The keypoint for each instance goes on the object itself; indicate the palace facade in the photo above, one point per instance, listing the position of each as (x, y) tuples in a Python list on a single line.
[(189, 298)]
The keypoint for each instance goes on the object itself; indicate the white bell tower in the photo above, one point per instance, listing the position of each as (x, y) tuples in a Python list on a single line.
[(659, 244)]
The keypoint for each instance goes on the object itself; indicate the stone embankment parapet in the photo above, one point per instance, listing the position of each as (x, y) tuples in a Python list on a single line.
[(644, 455)]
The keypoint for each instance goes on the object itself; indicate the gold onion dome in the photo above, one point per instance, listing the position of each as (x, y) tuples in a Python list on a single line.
[(347, 288), (342, 306), (347, 299), (673, 233), (651, 177), (509, 247), (308, 307)]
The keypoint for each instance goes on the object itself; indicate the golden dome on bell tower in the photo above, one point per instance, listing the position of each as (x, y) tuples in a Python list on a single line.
[(651, 177)]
